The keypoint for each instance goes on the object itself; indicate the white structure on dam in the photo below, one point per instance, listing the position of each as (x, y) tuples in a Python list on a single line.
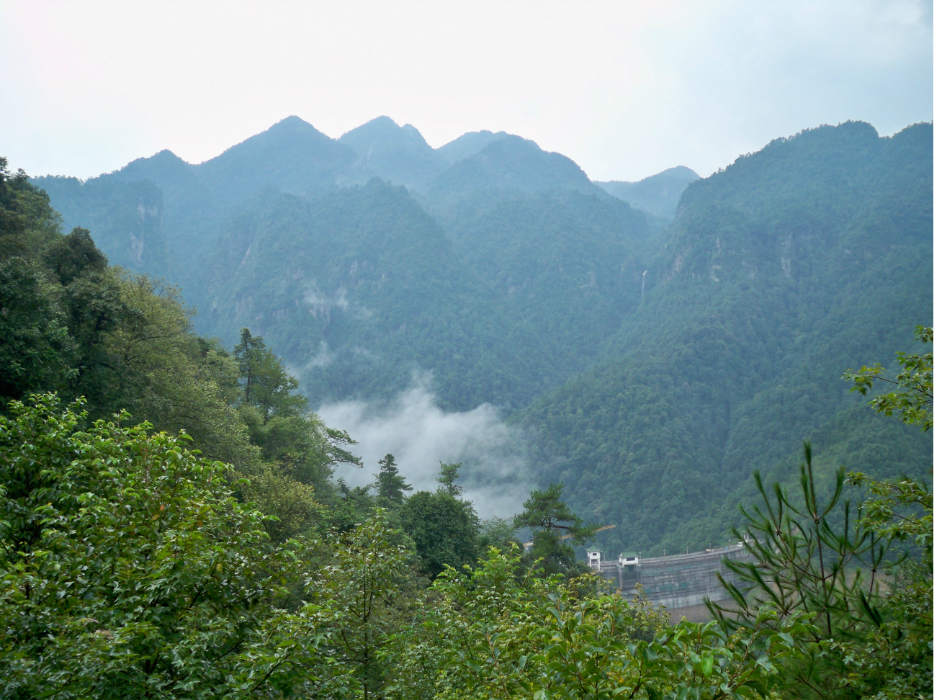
[(677, 581)]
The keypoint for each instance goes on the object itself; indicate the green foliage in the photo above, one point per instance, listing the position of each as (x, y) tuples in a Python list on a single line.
[(443, 527), (128, 567), (447, 476), (862, 643), (267, 385), (132, 566), (802, 563), (76, 325), (363, 588), (74, 255), (795, 262), (894, 658), (897, 510), (499, 533), (912, 399), (36, 344), (502, 631), (668, 353), (552, 524), (390, 484)]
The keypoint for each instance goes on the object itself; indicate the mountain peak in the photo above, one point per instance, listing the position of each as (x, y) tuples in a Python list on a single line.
[(292, 124), (396, 153), (657, 194), (468, 144), (383, 132), (161, 168), (512, 163)]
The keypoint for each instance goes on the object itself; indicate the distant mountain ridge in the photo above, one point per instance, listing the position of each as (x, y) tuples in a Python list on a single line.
[(658, 194), (652, 360), (397, 154), (797, 262), (293, 157), (206, 208)]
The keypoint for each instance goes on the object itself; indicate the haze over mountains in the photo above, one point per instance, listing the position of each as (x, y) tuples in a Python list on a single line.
[(653, 353)]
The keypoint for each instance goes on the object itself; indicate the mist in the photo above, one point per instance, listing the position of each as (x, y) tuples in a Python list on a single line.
[(420, 435)]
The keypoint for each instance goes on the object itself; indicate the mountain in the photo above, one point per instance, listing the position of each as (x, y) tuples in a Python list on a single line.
[(794, 264), (468, 144), (126, 219), (509, 163), (394, 153), (566, 266), (658, 195), (291, 156), (554, 253), (360, 290), (653, 364)]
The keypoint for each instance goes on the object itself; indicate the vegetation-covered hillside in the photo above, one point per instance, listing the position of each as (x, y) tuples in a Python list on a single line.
[(806, 258), (656, 366), (135, 566), (658, 194), (360, 290)]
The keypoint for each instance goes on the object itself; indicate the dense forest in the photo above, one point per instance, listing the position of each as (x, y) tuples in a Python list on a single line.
[(171, 527), (795, 263), (651, 353)]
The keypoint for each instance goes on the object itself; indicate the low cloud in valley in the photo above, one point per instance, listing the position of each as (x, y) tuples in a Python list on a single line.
[(420, 435)]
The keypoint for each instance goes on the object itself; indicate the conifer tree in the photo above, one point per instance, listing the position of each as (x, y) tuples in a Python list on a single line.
[(390, 485)]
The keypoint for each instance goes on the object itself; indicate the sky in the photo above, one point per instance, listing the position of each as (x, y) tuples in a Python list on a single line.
[(626, 88)]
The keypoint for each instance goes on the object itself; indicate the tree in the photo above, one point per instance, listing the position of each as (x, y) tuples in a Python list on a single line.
[(896, 654), (501, 630), (34, 342), (129, 570), (443, 527), (552, 524), (811, 557), (390, 485), (74, 255), (913, 395), (447, 478), (803, 563), (266, 383), (360, 589)]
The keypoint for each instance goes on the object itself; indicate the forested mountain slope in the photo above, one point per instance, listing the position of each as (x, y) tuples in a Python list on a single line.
[(361, 289), (159, 214), (566, 266), (291, 156), (509, 163), (135, 565), (792, 265), (395, 153), (543, 267), (468, 144), (690, 355), (658, 194), (127, 219)]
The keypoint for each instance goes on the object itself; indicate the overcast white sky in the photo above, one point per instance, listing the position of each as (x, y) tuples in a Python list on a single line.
[(626, 89)]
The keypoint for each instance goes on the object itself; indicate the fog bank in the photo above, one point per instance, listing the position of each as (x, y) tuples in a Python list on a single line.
[(420, 436)]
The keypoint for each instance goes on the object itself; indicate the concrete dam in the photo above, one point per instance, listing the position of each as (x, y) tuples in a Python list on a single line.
[(677, 581)]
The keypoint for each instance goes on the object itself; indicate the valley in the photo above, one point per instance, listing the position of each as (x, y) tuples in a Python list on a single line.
[(650, 353)]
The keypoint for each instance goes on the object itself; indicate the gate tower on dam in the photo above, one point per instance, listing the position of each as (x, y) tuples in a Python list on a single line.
[(677, 581)]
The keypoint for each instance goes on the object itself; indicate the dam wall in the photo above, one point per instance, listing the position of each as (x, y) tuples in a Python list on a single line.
[(677, 581)]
